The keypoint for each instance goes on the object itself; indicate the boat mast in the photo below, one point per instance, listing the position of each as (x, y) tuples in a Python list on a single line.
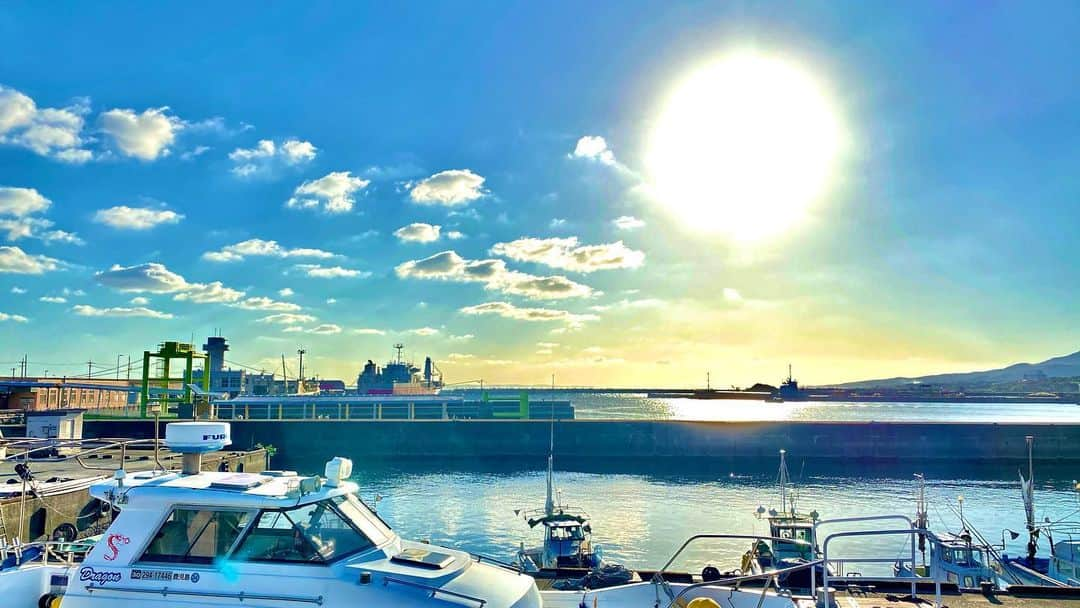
[(784, 484), (922, 518), (1027, 490), (549, 504)]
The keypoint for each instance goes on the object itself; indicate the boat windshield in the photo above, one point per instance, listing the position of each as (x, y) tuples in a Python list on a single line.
[(566, 533), (318, 533)]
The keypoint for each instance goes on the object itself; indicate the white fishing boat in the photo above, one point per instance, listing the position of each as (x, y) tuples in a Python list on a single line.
[(567, 532), (791, 533), (210, 539)]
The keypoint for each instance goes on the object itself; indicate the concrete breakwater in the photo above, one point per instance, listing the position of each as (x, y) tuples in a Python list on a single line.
[(611, 441)]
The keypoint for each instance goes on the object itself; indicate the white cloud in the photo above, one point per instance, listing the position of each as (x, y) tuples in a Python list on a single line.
[(459, 356), (51, 132), (36, 228), (418, 232), (150, 278), (209, 293), (14, 260), (146, 135), (153, 277), (123, 217), (557, 223), (510, 311), (450, 188), (264, 303), (593, 147), (16, 318), (287, 318), (732, 295), (53, 299), (368, 331), (567, 254), (18, 290), (331, 301), (325, 329), (628, 222), (455, 235), (85, 310), (334, 192), (196, 152), (461, 338), (286, 292), (297, 151), (331, 272), (449, 266), (21, 202), (263, 248), (423, 331), (266, 154), (19, 205), (548, 345), (139, 301)]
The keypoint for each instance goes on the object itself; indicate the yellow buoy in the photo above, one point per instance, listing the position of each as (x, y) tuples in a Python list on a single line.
[(703, 602)]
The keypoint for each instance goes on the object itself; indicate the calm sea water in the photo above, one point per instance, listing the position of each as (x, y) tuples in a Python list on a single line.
[(636, 405), (642, 516), (640, 519)]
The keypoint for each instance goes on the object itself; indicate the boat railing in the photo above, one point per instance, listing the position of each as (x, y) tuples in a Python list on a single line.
[(433, 591), (771, 577), (47, 552), (29, 449), (840, 563), (495, 562)]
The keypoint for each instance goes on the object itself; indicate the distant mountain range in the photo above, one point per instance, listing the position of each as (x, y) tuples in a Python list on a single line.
[(1067, 366)]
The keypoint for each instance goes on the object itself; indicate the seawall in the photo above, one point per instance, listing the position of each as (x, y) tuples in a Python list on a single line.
[(614, 440)]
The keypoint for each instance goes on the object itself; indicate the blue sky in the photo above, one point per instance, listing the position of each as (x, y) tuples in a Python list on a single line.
[(135, 188)]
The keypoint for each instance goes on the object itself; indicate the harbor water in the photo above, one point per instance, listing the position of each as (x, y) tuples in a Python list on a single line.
[(642, 518), (636, 406)]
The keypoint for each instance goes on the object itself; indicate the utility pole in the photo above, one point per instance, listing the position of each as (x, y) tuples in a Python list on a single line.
[(128, 366), (89, 368), (118, 366)]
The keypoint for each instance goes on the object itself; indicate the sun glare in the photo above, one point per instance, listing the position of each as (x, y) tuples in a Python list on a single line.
[(744, 146)]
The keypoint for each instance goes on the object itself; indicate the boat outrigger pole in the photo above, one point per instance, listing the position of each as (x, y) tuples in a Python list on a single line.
[(1027, 491)]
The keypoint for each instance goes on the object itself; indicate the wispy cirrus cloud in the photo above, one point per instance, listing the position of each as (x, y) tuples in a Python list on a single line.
[(12, 317)]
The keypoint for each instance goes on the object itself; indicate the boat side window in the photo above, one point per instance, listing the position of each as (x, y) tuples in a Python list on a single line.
[(195, 536), (315, 533)]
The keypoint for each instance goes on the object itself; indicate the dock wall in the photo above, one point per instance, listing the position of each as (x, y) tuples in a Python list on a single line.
[(842, 442)]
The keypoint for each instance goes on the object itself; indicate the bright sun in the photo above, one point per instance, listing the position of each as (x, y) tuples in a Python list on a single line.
[(744, 146)]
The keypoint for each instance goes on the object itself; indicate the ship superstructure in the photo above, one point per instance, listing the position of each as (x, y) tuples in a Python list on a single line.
[(399, 377)]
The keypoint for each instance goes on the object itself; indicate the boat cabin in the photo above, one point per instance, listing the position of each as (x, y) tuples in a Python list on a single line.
[(1065, 562), (797, 533), (961, 561)]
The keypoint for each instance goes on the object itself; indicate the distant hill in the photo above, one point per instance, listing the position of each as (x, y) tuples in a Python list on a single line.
[(1067, 366)]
